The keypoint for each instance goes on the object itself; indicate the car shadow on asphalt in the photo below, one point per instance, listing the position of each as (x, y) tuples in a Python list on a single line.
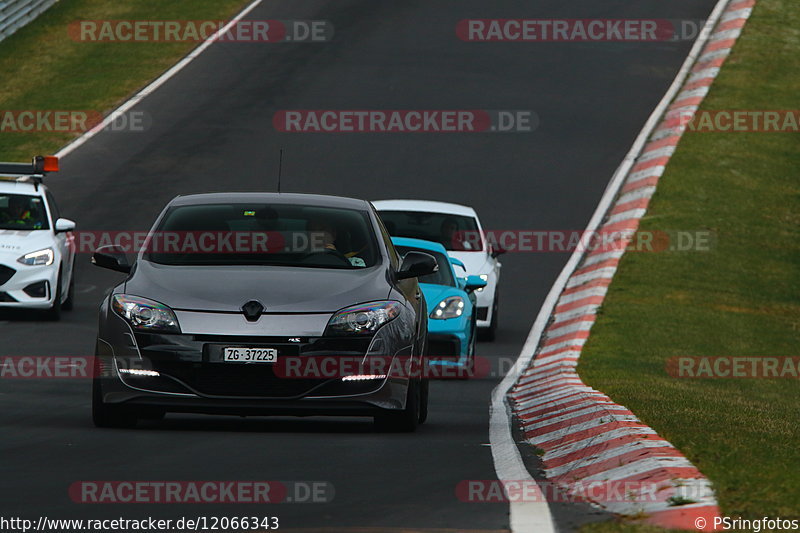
[(257, 425)]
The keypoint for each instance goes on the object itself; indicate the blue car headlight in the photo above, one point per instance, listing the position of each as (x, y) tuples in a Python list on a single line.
[(452, 307), (144, 314), (363, 319)]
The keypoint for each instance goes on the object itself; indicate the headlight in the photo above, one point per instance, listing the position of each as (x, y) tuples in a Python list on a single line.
[(144, 314), (452, 307), (484, 277), (39, 258), (363, 319)]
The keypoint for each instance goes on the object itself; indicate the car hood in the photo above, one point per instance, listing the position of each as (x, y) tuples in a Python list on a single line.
[(279, 289), (476, 262), (15, 243), (436, 293)]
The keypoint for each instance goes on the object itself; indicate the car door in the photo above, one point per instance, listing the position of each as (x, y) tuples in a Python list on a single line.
[(63, 241)]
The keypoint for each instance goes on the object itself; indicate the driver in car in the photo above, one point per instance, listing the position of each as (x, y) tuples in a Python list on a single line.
[(452, 238), (18, 213), (324, 233)]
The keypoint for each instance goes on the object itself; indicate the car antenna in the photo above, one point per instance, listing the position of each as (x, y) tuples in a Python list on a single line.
[(280, 169)]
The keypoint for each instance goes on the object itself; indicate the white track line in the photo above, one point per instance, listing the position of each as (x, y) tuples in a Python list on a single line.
[(161, 80)]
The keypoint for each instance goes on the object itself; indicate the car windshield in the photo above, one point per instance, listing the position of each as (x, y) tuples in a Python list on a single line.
[(444, 276), (264, 234), (457, 233), (22, 212)]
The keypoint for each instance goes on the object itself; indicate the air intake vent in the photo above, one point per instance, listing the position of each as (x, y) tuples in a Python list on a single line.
[(6, 273)]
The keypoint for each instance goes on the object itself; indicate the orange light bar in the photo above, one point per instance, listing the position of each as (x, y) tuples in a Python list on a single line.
[(50, 163)]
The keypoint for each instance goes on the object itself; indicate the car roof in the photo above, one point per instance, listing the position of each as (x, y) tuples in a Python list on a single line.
[(425, 206), (11, 185), (419, 243), (317, 200)]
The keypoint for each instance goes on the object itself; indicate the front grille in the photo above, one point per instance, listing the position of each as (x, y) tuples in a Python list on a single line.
[(444, 347), (5, 297), (196, 360), (231, 379), (6, 273), (483, 313)]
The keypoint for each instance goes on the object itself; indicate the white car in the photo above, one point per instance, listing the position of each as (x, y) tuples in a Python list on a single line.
[(458, 228), (37, 248)]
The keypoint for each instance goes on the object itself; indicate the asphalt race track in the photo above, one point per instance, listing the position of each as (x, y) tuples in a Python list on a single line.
[(211, 130)]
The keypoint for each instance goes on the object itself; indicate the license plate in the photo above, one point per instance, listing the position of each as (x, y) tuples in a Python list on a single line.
[(250, 355)]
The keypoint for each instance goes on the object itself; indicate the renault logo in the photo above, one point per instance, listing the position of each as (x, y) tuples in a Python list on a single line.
[(252, 310)]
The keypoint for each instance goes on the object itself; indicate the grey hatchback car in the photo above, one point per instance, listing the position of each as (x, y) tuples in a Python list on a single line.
[(230, 292)]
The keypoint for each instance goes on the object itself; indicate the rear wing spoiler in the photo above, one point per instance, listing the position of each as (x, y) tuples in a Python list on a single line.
[(34, 171)]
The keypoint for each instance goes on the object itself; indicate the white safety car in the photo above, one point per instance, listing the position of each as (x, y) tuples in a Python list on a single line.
[(37, 246)]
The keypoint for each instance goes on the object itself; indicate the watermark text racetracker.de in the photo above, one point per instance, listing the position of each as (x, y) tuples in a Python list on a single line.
[(71, 121), (198, 242), (734, 367), (405, 121), (160, 31), (604, 240), (579, 30), (201, 492), (495, 491), (739, 121)]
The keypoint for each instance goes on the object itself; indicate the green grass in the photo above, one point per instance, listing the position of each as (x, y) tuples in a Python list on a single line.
[(44, 69), (740, 299)]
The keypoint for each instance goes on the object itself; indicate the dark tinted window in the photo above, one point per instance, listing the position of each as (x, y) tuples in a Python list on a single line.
[(259, 234), (454, 232), (22, 212), (443, 277)]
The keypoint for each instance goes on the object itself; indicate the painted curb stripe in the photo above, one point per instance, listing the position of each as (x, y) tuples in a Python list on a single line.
[(583, 433)]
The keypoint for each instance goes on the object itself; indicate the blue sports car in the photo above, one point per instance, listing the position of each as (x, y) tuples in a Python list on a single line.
[(451, 304)]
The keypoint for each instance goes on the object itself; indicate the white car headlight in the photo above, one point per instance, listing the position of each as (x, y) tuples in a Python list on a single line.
[(38, 258), (363, 319), (484, 277), (452, 307), (144, 314)]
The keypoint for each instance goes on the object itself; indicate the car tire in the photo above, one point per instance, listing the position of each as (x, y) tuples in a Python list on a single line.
[(406, 420), (109, 416), (70, 301), (54, 313)]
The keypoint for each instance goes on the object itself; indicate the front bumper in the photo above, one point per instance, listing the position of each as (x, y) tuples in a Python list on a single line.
[(30, 287), (192, 376), (485, 302)]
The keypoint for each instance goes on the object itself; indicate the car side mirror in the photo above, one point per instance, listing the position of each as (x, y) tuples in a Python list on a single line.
[(63, 225), (473, 283), (416, 264), (113, 258)]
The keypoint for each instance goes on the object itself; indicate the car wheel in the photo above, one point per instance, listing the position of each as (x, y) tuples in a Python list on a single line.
[(109, 416), (70, 301), (54, 313), (407, 420)]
